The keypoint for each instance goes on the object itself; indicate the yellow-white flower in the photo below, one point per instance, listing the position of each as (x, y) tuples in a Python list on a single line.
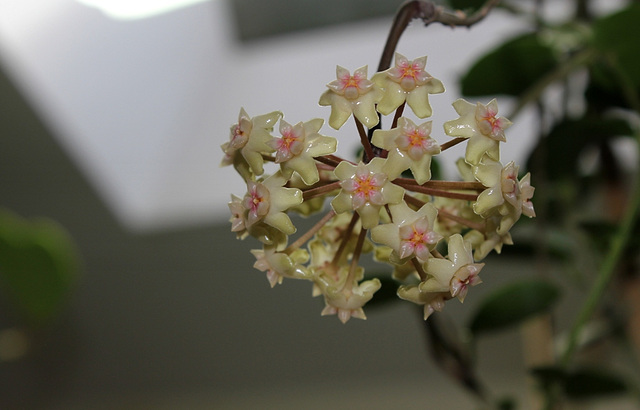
[(410, 146), (432, 301), (481, 124), (294, 151), (407, 81), (454, 274), (410, 234), (266, 201), (351, 94), (365, 189), (279, 265), (249, 137)]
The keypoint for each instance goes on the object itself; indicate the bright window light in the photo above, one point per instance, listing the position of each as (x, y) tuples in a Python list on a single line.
[(137, 9)]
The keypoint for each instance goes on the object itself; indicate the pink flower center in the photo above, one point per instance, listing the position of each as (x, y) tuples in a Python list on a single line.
[(464, 278), (256, 201), (489, 124), (288, 146), (365, 187), (238, 138), (352, 86), (409, 74), (416, 238), (415, 142)]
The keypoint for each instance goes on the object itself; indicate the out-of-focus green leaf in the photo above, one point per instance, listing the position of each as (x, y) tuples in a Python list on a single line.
[(38, 265), (601, 232), (590, 382), (617, 36), (603, 90), (527, 239), (563, 145), (548, 376), (387, 292), (436, 169), (466, 4), (513, 304), (585, 383), (511, 68)]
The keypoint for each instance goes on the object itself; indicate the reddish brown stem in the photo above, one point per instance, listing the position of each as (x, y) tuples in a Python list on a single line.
[(345, 239), (320, 190), (421, 272), (451, 143), (366, 144), (461, 185), (437, 192), (463, 221)]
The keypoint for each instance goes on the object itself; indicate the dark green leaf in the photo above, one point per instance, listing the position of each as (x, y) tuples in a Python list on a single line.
[(38, 265), (589, 383), (513, 304), (585, 383), (510, 69), (386, 294), (436, 169), (548, 376), (603, 90), (466, 5), (564, 144), (617, 36), (507, 403)]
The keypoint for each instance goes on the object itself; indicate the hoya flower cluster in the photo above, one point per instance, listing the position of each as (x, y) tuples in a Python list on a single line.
[(433, 233)]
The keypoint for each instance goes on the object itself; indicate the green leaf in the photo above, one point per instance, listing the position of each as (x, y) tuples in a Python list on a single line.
[(466, 4), (38, 265), (386, 294), (617, 36), (564, 144), (584, 383), (513, 304), (590, 382), (510, 69)]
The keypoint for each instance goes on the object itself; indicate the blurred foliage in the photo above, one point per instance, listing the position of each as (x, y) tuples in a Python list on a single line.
[(38, 266), (581, 79), (513, 304)]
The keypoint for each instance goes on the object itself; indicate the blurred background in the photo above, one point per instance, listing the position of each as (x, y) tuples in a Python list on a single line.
[(110, 125)]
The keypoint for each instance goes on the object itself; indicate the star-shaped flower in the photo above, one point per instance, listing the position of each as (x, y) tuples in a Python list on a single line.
[(351, 94), (481, 124), (407, 81), (267, 200), (347, 299), (505, 194), (297, 147), (454, 274), (249, 137), (489, 240), (410, 146), (238, 217), (365, 189), (410, 234), (280, 265), (432, 301)]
